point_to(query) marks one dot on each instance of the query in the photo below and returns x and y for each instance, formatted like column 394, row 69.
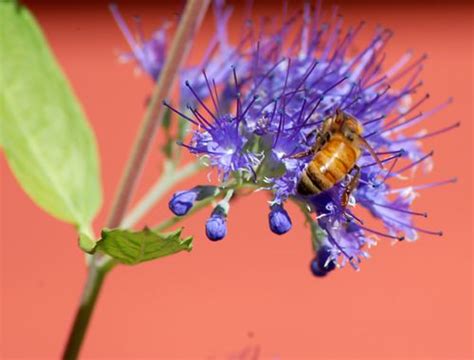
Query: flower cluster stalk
column 170, row 177
column 192, row 17
column 99, row 265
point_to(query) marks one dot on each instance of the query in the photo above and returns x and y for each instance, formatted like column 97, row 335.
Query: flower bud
column 216, row 225
column 182, row 201
column 322, row 264
column 279, row 220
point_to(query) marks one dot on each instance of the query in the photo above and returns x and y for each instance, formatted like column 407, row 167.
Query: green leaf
column 44, row 134
column 129, row 247
column 86, row 243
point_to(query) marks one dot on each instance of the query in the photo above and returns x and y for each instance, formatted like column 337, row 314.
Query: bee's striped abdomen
column 329, row 166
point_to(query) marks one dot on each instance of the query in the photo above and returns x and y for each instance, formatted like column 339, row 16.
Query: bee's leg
column 303, row 154
column 351, row 186
column 321, row 139
column 322, row 136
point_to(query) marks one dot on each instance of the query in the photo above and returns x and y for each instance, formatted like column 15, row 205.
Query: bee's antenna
column 371, row 150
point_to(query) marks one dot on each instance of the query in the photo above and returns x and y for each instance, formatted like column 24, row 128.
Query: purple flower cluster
column 284, row 80
column 149, row 54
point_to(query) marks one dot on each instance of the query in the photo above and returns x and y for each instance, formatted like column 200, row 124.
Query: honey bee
column 337, row 148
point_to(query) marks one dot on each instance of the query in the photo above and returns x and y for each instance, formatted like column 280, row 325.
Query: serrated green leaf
column 86, row 243
column 44, row 134
column 134, row 247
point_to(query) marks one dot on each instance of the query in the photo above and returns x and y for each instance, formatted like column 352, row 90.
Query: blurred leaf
column 166, row 122
column 129, row 247
column 167, row 148
column 46, row 139
column 87, row 244
column 183, row 127
column 171, row 149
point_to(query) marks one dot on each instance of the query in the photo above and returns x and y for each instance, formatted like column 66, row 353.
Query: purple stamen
column 123, row 26
column 216, row 107
column 408, row 68
column 334, row 242
column 405, row 113
column 280, row 126
column 379, row 81
column 396, row 156
column 356, row 100
column 429, row 232
column 399, row 238
column 274, row 110
column 432, row 111
column 203, row 122
column 386, row 129
column 353, row 216
column 374, row 120
column 321, row 97
column 256, row 63
column 389, row 172
column 198, row 98
column 180, row 113
column 385, row 152
column 434, row 133
column 286, row 82
column 301, row 111
column 305, row 77
column 424, row 186
column 237, row 93
column 217, row 95
column 309, row 115
column 404, row 59
column 355, row 61
column 414, row 163
column 198, row 150
column 266, row 75
column 424, row 214
column 376, row 69
column 248, row 107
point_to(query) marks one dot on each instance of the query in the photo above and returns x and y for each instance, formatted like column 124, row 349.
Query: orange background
column 413, row 300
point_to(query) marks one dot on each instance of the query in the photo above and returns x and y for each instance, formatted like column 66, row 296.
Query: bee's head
column 348, row 124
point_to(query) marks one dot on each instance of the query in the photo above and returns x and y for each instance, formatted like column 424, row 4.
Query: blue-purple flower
column 216, row 225
column 182, row 202
column 279, row 220
column 150, row 53
column 284, row 85
column 323, row 263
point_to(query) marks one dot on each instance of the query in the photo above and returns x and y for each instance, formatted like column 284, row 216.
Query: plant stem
column 193, row 14
column 317, row 233
column 170, row 177
column 201, row 205
column 99, row 266
column 95, row 279
column 176, row 219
